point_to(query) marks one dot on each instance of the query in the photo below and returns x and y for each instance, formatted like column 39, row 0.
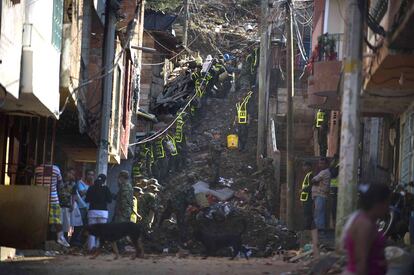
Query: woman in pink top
column 362, row 241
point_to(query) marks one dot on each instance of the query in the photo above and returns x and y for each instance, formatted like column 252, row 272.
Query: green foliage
column 164, row 5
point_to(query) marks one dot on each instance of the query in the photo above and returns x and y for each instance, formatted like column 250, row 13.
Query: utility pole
column 348, row 168
column 290, row 199
column 263, row 83
column 108, row 62
column 186, row 19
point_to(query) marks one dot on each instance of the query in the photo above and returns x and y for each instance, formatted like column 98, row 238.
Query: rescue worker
column 148, row 206
column 221, row 80
column 160, row 155
column 138, row 193
column 321, row 126
column 171, row 152
column 308, row 207
column 141, row 182
column 334, row 170
column 252, row 61
column 177, row 204
column 248, row 71
column 180, row 141
column 242, row 119
column 141, row 165
column 124, row 203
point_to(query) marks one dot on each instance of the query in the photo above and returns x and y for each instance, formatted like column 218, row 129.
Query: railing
column 330, row 47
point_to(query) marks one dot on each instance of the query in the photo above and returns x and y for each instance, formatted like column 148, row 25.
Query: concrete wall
column 23, row 216
column 11, row 45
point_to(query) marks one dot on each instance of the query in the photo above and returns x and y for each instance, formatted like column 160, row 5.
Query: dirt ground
column 105, row 264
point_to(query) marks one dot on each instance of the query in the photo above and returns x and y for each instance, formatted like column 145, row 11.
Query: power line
column 160, row 133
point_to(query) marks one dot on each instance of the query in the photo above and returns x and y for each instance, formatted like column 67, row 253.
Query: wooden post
column 263, row 87
column 108, row 62
column 290, row 199
column 348, row 169
column 186, row 19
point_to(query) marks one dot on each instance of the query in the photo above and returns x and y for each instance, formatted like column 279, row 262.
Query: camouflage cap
column 152, row 188
column 138, row 190
column 154, row 182
column 124, row 174
column 142, row 183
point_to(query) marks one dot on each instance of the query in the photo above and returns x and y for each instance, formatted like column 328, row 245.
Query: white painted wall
column 41, row 61
column 334, row 18
column 11, row 45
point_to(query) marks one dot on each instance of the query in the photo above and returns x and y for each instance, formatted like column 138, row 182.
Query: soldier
column 138, row 193
column 124, row 203
column 148, row 206
column 124, row 198
column 141, row 182
column 178, row 203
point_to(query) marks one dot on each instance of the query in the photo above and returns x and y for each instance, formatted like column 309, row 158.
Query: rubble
column 236, row 194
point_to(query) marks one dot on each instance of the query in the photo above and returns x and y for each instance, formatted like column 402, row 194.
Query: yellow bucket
column 232, row 141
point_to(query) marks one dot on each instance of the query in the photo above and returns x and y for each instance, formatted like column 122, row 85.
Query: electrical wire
column 159, row 43
column 298, row 36
column 160, row 133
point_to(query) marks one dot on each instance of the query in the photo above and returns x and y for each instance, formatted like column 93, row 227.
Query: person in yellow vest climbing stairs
column 308, row 207
column 321, row 125
column 242, row 119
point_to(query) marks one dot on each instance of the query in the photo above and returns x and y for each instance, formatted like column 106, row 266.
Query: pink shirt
column 377, row 264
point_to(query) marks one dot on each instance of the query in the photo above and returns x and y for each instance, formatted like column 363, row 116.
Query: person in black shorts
column 308, row 207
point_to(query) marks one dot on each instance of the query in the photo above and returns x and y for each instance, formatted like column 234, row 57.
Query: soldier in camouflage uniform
column 178, row 203
column 124, row 198
column 149, row 205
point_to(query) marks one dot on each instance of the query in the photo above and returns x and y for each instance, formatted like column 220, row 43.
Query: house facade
column 386, row 106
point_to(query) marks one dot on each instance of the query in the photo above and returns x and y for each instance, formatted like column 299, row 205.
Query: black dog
column 214, row 241
column 112, row 232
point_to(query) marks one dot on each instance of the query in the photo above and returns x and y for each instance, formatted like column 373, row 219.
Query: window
column 57, row 24
column 407, row 150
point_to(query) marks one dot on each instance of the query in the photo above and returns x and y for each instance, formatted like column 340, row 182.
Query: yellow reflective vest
column 320, row 118
column 335, row 181
column 242, row 115
column 304, row 195
column 179, row 129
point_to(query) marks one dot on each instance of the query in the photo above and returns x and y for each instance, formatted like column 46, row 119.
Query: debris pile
column 236, row 196
column 218, row 185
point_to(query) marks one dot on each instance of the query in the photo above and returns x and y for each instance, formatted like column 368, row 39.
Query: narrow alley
column 206, row 137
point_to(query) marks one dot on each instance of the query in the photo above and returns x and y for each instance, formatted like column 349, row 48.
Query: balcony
column 39, row 76
column 325, row 71
column 389, row 81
